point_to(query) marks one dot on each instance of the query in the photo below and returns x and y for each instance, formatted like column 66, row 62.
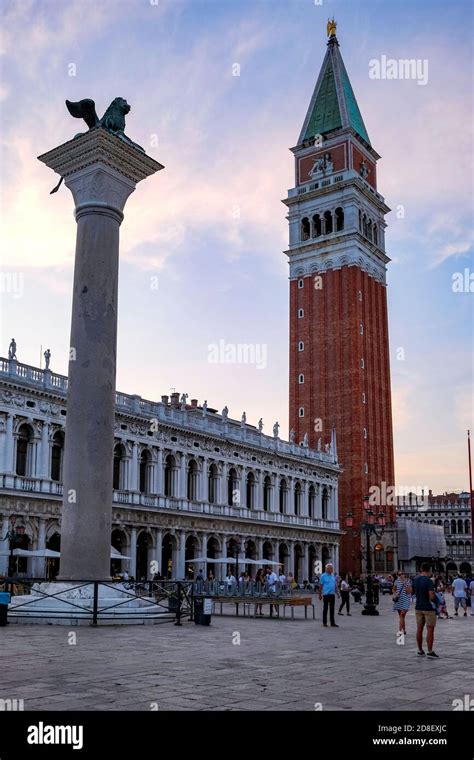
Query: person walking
column 259, row 584
column 345, row 596
column 424, row 610
column 376, row 589
column 459, row 589
column 402, row 599
column 327, row 592
column 471, row 591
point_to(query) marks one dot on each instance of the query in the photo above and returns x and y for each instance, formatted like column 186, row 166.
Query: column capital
column 101, row 170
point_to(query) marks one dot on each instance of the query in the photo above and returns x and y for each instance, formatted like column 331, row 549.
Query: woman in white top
column 345, row 597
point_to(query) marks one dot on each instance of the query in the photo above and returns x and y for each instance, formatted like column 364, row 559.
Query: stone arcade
column 186, row 484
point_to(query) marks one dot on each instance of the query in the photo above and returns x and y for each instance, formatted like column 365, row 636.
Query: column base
column 60, row 603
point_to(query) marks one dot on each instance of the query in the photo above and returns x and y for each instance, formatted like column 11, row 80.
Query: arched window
column 282, row 496
column 311, row 501
column 446, row 526
column 145, row 484
column 301, row 346
column 339, row 219
column 460, row 526
column 369, row 229
column 301, row 411
column 360, row 220
column 170, row 475
column 363, row 398
column 362, row 364
column 300, row 284
column 327, row 222
column 267, row 487
column 460, row 548
column 467, row 527
column 297, row 497
column 23, row 450
column 325, row 503
column 305, row 229
column 250, row 491
column 317, row 227
column 119, row 467
column 301, row 379
column 361, row 329
column 300, row 313
column 192, row 485
column 375, row 234
column 364, row 432
column 453, row 526
column 213, row 476
column 364, row 225
column 57, row 456
column 233, row 494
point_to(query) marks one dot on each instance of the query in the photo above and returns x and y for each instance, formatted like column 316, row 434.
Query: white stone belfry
column 101, row 170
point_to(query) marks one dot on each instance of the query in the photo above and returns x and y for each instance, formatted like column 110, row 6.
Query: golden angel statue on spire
column 331, row 28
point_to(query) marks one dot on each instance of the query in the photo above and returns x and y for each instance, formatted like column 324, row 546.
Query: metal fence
column 243, row 588
column 174, row 600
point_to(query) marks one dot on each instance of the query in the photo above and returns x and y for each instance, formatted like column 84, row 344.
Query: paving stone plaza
column 278, row 665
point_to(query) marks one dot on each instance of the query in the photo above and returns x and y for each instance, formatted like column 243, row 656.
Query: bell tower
column 339, row 351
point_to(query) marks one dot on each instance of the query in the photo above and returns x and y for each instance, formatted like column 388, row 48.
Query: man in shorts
column 424, row 611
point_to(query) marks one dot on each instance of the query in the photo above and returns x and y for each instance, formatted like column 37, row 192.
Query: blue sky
column 210, row 229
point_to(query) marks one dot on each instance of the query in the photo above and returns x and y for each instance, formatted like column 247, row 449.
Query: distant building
column 452, row 513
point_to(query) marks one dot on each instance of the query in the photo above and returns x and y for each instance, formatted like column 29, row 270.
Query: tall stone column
column 101, row 170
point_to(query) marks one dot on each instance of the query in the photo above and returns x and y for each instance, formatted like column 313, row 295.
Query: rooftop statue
column 113, row 119
column 331, row 27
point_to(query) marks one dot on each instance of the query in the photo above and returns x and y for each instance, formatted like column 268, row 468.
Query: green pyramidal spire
column 333, row 105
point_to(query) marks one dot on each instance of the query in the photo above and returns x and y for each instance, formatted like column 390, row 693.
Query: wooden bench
column 299, row 601
column 277, row 602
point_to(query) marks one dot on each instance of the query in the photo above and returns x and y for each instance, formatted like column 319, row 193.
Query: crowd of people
column 426, row 592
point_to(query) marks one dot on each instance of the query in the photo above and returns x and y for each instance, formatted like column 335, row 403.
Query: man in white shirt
column 272, row 579
column 230, row 582
column 458, row 590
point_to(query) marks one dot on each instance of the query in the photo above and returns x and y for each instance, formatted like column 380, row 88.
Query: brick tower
column 339, row 352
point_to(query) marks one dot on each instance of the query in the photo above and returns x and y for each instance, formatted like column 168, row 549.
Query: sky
column 219, row 90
